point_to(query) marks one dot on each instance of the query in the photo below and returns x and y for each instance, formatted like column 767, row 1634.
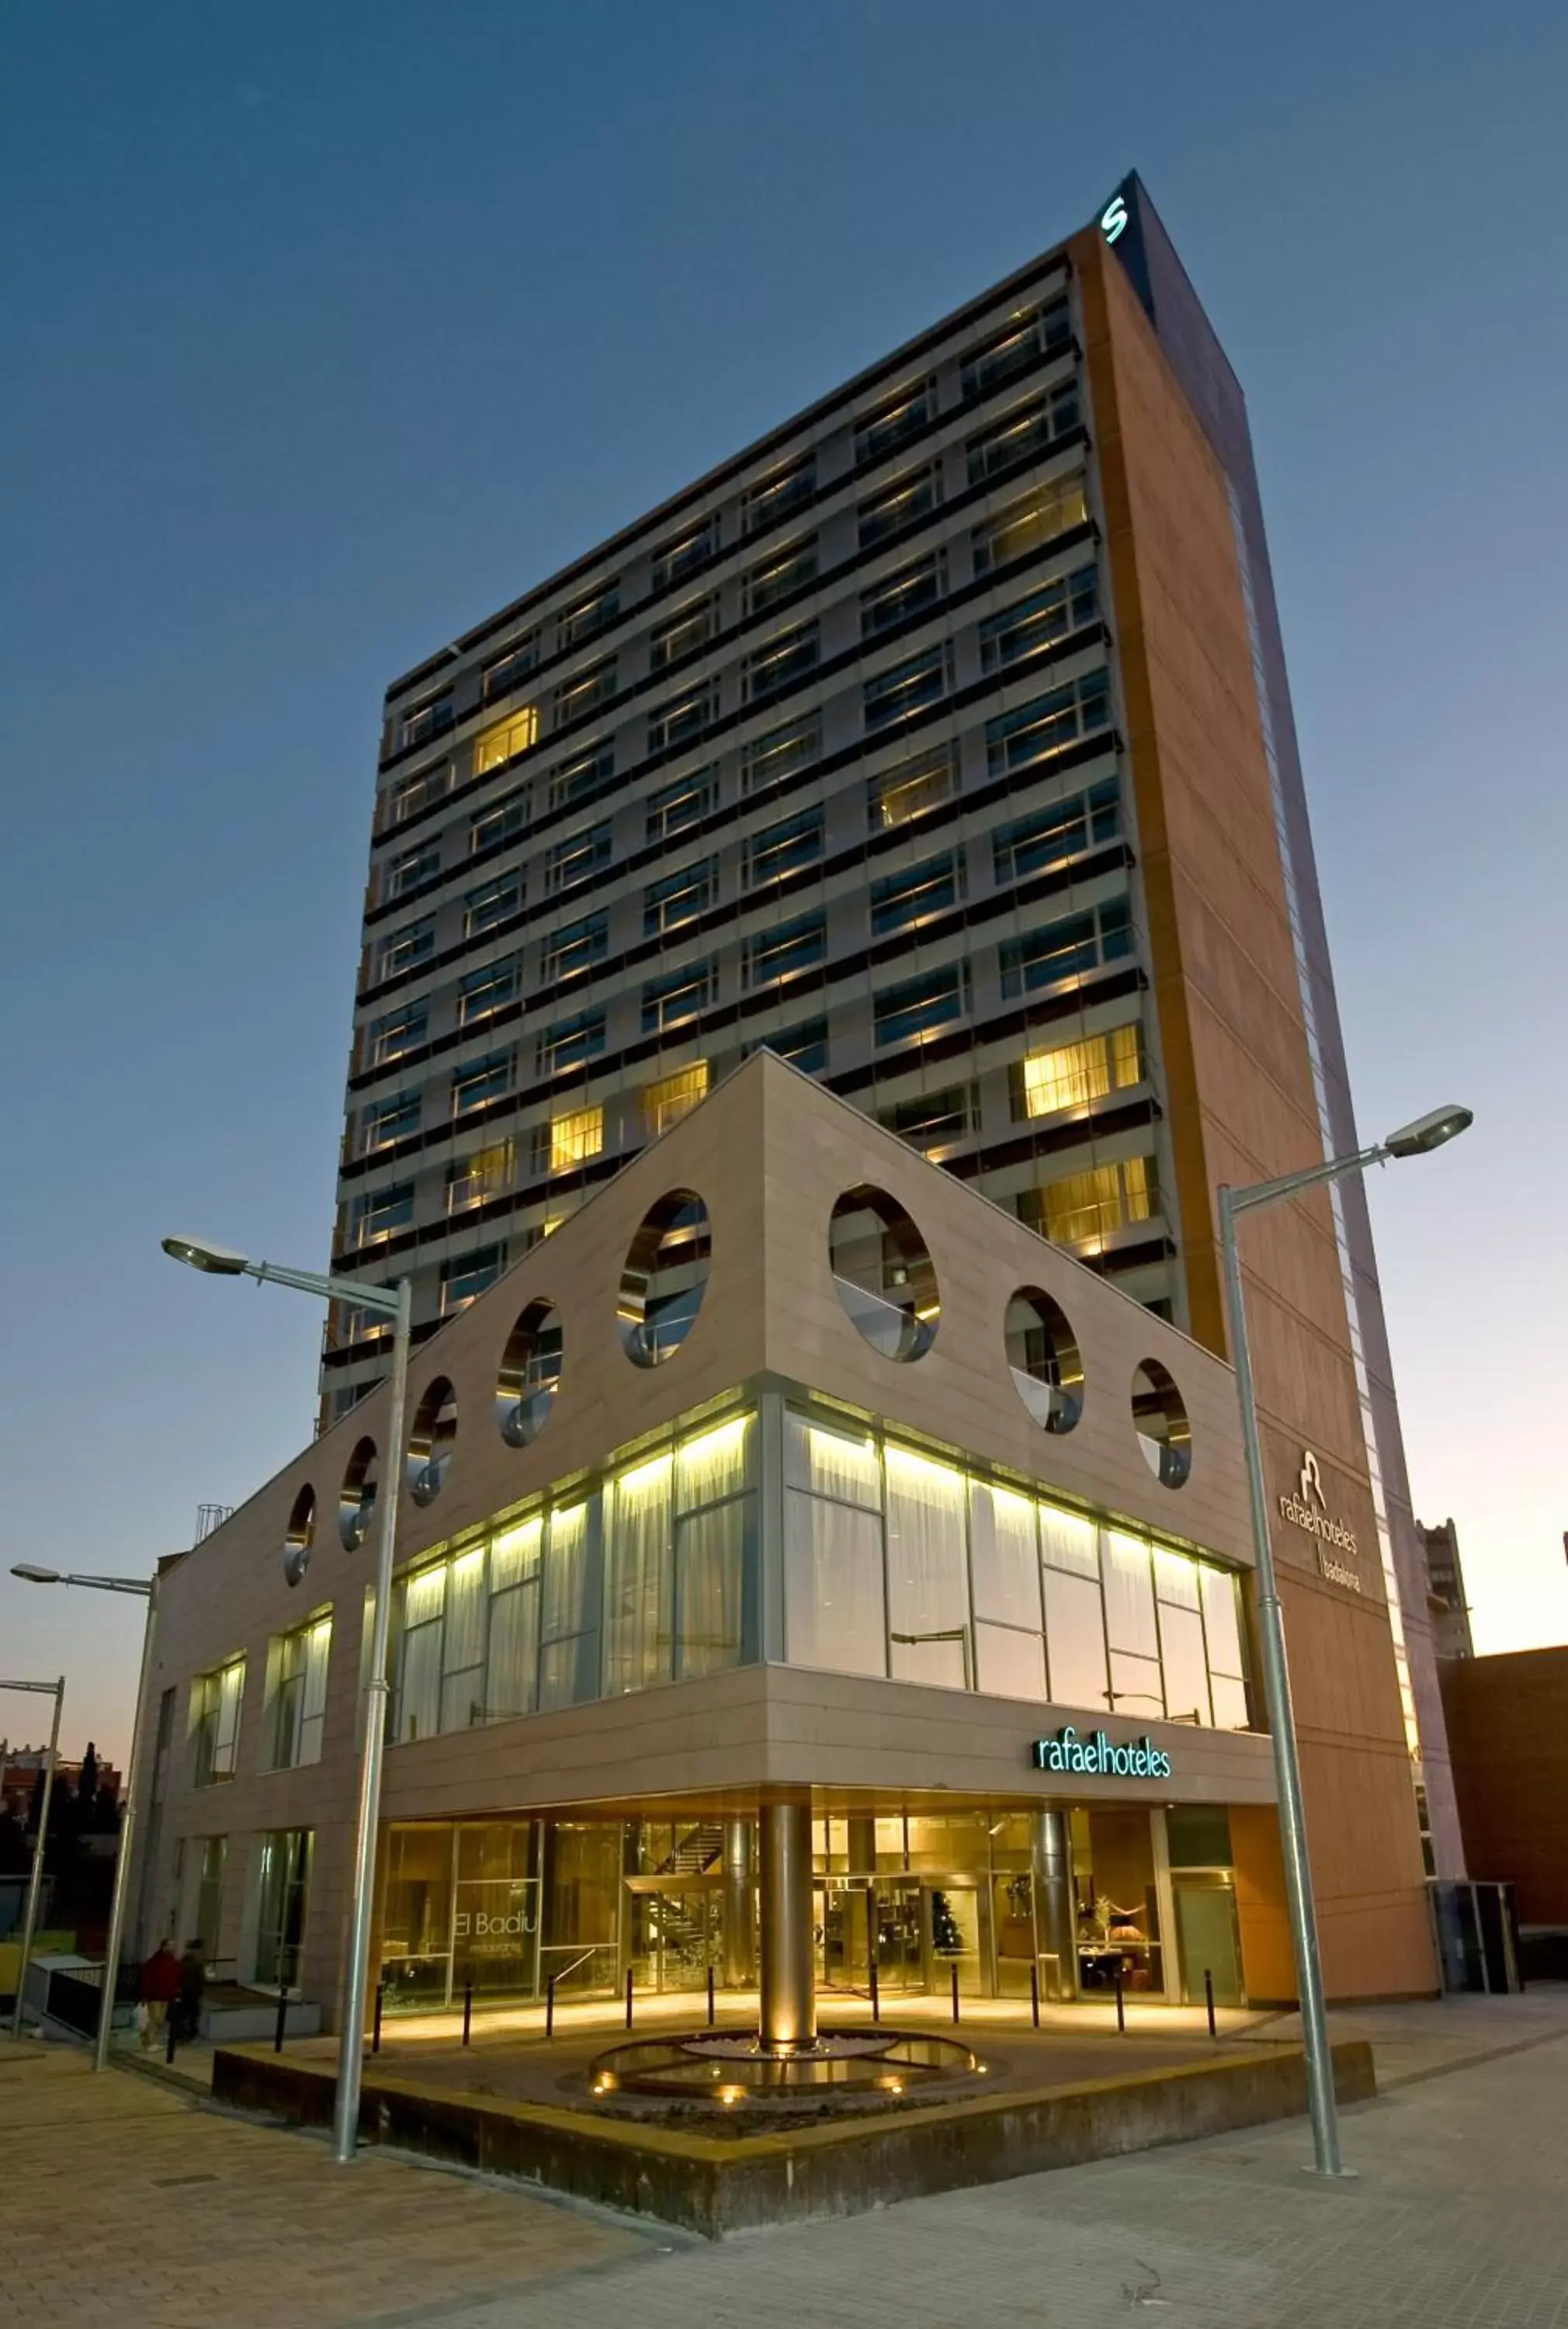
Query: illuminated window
column 893, row 423
column 296, row 1714
column 897, row 796
column 1077, row 1073
column 215, row 1701
column 1086, row 1208
column 680, row 896
column 573, row 1138
column 1022, row 340
column 474, row 1180
column 903, row 504
column 789, row 570
column 387, row 1120
column 381, row 1214
column 1031, row 521
column 1025, row 434
column 506, row 740
column 673, row 1097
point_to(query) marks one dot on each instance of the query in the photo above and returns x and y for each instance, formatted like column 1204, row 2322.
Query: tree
column 945, row 1937
column 87, row 1785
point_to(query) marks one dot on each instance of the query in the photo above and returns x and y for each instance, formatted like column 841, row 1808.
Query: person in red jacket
column 160, row 1985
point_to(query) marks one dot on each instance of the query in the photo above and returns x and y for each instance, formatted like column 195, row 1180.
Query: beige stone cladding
column 769, row 1153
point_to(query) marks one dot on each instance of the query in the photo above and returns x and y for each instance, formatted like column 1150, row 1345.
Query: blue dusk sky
column 331, row 328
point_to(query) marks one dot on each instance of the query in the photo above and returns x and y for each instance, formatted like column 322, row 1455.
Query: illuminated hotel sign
column 1308, row 1510
column 1134, row 1759
column 1113, row 219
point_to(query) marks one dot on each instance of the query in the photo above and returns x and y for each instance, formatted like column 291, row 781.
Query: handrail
column 561, row 1974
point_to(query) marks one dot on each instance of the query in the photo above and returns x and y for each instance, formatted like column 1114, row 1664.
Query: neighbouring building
column 940, row 744
column 1445, row 1591
column 1507, row 1718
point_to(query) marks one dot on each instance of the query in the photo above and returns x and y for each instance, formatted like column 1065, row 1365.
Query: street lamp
column 55, row 1690
column 147, row 1587
column 394, row 1302
column 1427, row 1133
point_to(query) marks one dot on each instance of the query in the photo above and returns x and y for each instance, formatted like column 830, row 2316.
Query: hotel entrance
column 920, row 1927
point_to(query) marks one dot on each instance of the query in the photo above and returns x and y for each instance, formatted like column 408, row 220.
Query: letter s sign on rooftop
column 1113, row 218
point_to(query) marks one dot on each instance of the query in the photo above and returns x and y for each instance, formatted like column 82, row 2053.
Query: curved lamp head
column 34, row 1574
column 201, row 1253
column 1429, row 1131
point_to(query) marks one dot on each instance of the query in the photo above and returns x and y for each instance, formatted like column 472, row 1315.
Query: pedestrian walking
column 188, row 2003
column 159, row 1987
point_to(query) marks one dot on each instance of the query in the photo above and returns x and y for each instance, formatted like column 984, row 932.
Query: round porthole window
column 299, row 1536
column 530, row 1377
column 884, row 1273
column 357, row 1496
column 1042, row 1351
column 1160, row 1419
column 430, row 1441
column 664, row 1278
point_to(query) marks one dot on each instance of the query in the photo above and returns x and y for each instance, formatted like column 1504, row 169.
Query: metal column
column 789, row 2003
column 739, row 1914
column 1056, row 1922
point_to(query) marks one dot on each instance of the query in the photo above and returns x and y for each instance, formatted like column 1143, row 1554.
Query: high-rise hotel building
column 939, row 742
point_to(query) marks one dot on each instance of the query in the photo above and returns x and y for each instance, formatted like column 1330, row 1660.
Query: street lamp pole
column 147, row 1589
column 1428, row 1132
column 394, row 1302
column 55, row 1690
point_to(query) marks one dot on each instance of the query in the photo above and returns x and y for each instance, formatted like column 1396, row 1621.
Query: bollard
column 711, row 2013
column 467, row 2010
column 281, row 2022
column 376, row 2025
column 628, row 1997
column 876, row 1999
column 1034, row 1995
column 1120, row 2003
column 1208, row 2000
column 956, row 1989
column 550, row 2007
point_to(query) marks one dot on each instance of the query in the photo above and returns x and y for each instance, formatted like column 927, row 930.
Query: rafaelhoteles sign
column 1133, row 1758
column 1308, row 1510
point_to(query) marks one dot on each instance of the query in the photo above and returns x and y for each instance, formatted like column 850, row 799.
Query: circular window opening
column 1042, row 1350
column 299, row 1536
column 357, row 1496
column 530, row 1373
column 430, row 1441
column 884, row 1277
column 664, row 1278
column 1159, row 1419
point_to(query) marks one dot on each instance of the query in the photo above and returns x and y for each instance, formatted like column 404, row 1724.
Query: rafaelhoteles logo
column 1308, row 1510
column 1135, row 1759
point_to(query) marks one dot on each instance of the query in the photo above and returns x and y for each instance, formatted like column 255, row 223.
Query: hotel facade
column 939, row 745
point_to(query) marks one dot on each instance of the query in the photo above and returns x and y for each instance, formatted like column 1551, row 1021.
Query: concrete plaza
column 130, row 2202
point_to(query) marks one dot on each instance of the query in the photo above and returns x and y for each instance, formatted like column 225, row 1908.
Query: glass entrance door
column 924, row 1925
column 677, row 1931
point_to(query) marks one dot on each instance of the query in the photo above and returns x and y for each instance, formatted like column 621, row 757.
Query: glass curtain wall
column 648, row 1576
column 898, row 1564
